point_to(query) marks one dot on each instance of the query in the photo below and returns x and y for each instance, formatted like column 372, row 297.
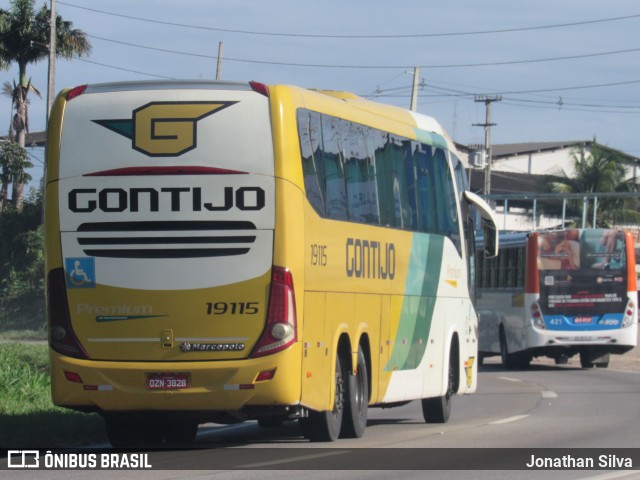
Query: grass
column 24, row 335
column 28, row 418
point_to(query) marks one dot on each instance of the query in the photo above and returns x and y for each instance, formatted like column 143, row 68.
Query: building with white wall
column 521, row 172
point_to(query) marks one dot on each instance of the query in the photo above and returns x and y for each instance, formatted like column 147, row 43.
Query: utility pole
column 414, row 90
column 51, row 82
column 219, row 68
column 487, row 137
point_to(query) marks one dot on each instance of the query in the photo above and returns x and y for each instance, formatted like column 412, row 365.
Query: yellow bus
column 228, row 252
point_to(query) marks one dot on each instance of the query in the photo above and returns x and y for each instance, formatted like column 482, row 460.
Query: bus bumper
column 617, row 340
column 218, row 386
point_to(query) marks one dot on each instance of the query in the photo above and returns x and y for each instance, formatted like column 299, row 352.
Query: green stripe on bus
column 418, row 305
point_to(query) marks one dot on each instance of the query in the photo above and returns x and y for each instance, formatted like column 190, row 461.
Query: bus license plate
column 167, row 381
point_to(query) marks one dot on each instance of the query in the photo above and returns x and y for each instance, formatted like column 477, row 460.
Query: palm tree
column 24, row 39
column 14, row 160
column 598, row 171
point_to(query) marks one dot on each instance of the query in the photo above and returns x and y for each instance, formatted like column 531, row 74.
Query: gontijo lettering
column 370, row 259
column 86, row 200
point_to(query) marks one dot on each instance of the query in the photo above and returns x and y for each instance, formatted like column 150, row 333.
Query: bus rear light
column 266, row 375
column 76, row 92
column 536, row 316
column 73, row 377
column 281, row 324
column 629, row 314
column 62, row 338
column 260, row 88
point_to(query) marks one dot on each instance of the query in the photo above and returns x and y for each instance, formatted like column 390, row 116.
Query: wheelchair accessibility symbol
column 80, row 272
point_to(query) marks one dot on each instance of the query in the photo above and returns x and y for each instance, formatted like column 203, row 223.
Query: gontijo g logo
column 164, row 129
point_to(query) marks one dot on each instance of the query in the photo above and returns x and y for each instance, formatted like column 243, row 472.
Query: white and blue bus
column 557, row 294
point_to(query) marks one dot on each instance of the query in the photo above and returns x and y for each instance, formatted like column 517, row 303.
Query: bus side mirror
column 489, row 224
column 490, row 239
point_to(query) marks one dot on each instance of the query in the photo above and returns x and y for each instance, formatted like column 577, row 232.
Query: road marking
column 292, row 459
column 509, row 420
column 509, row 379
column 612, row 475
column 548, row 394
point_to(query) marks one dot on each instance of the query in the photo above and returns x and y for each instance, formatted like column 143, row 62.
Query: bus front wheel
column 438, row 409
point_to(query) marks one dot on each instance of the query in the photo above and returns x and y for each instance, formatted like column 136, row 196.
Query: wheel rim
column 338, row 403
column 452, row 379
column 359, row 393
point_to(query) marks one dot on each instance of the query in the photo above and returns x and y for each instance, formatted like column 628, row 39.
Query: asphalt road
column 513, row 412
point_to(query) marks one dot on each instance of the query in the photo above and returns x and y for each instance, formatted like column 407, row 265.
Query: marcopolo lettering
column 370, row 259
column 86, row 200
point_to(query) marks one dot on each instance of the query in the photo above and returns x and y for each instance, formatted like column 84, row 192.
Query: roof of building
column 506, row 183
column 507, row 150
column 34, row 139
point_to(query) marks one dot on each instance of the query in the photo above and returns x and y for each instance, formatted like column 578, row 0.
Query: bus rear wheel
column 588, row 361
column 354, row 420
column 508, row 359
column 326, row 426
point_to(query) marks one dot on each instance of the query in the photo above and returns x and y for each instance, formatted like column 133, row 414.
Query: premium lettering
column 178, row 199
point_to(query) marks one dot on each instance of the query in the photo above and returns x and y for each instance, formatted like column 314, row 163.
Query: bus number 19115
column 232, row 308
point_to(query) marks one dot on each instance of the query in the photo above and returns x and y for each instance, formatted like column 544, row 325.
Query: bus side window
column 461, row 177
column 448, row 208
column 520, row 262
column 396, row 183
column 427, row 218
column 384, row 178
column 359, row 169
column 336, row 193
column 309, row 131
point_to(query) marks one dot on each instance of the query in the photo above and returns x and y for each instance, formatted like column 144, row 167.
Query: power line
column 561, row 103
column 570, row 107
column 516, row 92
column 394, row 67
column 354, row 36
column 123, row 69
column 558, row 104
column 146, row 47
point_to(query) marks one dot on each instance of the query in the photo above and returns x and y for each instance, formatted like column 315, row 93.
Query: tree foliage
column 14, row 162
column 22, row 266
column 601, row 170
column 24, row 40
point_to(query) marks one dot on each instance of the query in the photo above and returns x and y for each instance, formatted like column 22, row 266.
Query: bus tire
column 326, row 426
column 180, row 434
column 585, row 360
column 588, row 360
column 508, row 360
column 126, row 432
column 274, row 421
column 354, row 420
column 438, row 409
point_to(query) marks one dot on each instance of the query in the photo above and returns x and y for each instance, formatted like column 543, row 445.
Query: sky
column 565, row 70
